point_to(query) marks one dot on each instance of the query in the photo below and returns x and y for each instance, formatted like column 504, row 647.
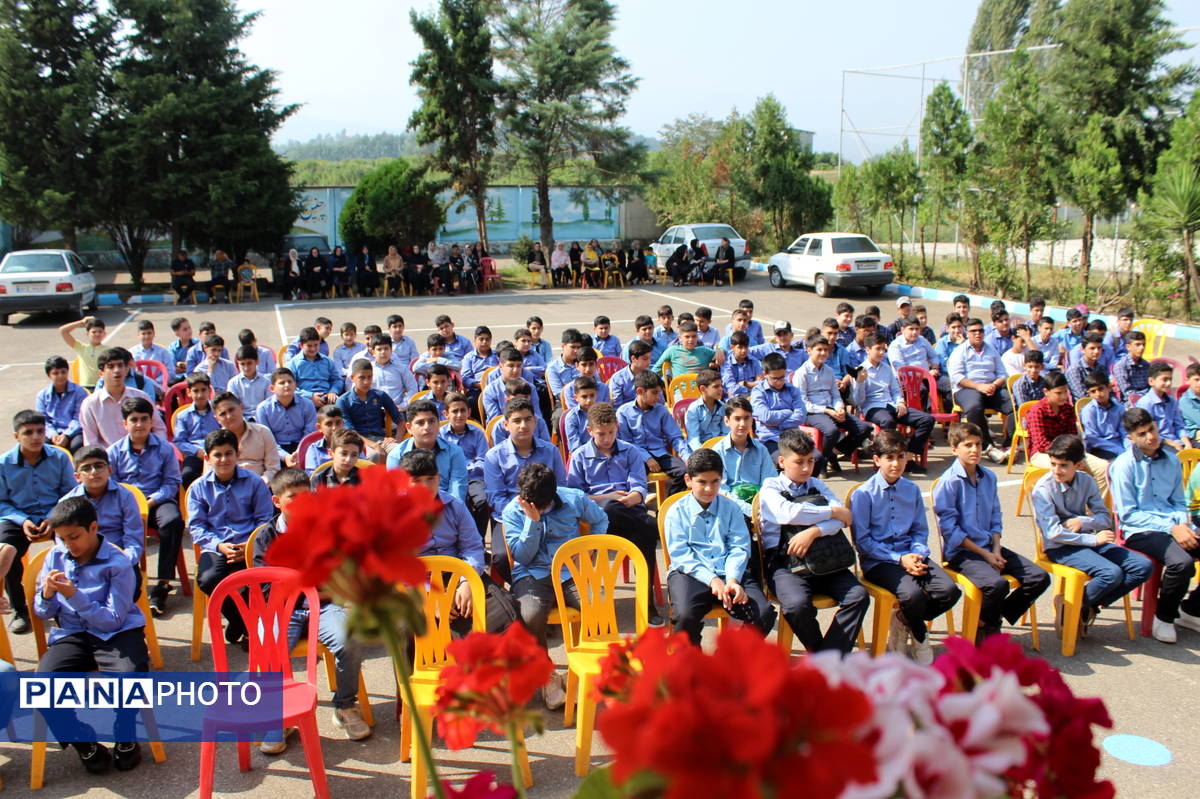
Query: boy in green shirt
column 687, row 355
column 89, row 351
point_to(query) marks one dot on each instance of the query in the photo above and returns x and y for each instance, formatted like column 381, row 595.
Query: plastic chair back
column 1032, row 475
column 483, row 379
column 1155, row 338
column 1080, row 404
column 306, row 442
column 153, row 370
column 1012, row 381
column 73, row 370
column 679, row 411
column 29, row 582
column 176, row 396
column 663, row 507
column 281, row 356
column 712, row 442
column 171, row 420
column 443, row 575
column 608, row 366
column 685, row 384
column 912, row 379
column 1188, row 458
column 249, row 550
column 594, row 563
column 361, row 463
column 564, row 446
column 266, row 619
column 491, row 427
column 143, row 504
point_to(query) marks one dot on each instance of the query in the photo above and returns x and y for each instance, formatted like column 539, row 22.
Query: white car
column 45, row 280
column 828, row 261
column 710, row 235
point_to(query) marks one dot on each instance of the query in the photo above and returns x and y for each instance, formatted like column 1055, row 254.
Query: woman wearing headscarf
column 314, row 273
column 591, row 264
column 416, row 271
column 575, row 254
column 339, row 270
column 393, row 270
column 635, row 265
column 366, row 276
column 292, row 275
column 472, row 275
column 439, row 271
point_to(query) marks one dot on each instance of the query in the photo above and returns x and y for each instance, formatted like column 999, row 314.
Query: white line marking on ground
column 684, row 300
column 124, row 322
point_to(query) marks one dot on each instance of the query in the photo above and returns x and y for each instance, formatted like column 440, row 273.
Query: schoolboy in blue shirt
column 1149, row 500
column 533, row 366
column 647, row 423
column 1089, row 364
column 288, row 417
column 620, row 385
column 878, row 397
column 1072, row 334
column 249, row 385
column 317, row 377
column 473, row 442
column 602, row 339
column 266, row 355
column 87, row 588
column 740, row 373
column 644, row 326
column 1189, row 402
column 1161, row 404
column 192, row 423
column 708, row 335
column 504, row 461
column 224, row 507
column 967, row 506
column 954, row 336
column 495, row 393
column 977, row 379
column 514, row 389
column 564, row 369
column 796, row 498
column 892, row 539
column 180, row 347
column 33, row 476
column 216, row 365
column 323, row 326
column 424, row 424
column 116, row 508
column 59, row 403
column 665, row 334
column 1117, row 339
column 329, row 421
column 588, row 376
column 1103, row 435
column 705, row 417
column 747, row 463
column 457, row 345
column 613, row 474
column 196, row 353
column 147, row 462
column 402, row 346
column 823, row 405
column 478, row 361
column 794, row 356
column 1001, row 335
column 392, row 373
column 753, row 329
column 1030, row 387
column 709, row 549
column 1107, row 357
column 777, row 404
column 1131, row 371
column 344, row 354
column 364, row 409
column 1045, row 341
column 147, row 350
column 1077, row 530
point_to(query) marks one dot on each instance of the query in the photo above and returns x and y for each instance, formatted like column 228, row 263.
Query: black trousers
column 394, row 282
column 191, row 469
column 212, row 569
column 1178, row 566
column 478, row 505
column 922, row 598
column 501, row 611
column 920, row 422
column 635, row 525
column 691, row 600
column 973, row 404
column 12, row 534
column 417, row 280
column 367, row 281
column 534, row 598
column 184, row 288
column 674, row 468
column 844, row 437
column 998, row 601
column 795, row 595
column 166, row 518
column 123, row 653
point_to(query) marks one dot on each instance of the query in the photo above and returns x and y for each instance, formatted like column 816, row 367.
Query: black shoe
column 20, row 624
column 235, row 634
column 653, row 619
column 127, row 756
column 832, row 466
column 95, row 757
column 158, row 599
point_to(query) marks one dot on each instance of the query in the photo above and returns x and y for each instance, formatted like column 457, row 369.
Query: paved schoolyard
column 1150, row 688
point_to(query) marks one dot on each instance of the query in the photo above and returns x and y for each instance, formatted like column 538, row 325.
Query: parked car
column 828, row 261
column 710, row 235
column 45, row 280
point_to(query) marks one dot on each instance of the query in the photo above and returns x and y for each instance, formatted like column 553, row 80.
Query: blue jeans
column 1115, row 571
column 347, row 653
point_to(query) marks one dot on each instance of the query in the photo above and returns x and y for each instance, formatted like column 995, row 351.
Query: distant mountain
column 345, row 146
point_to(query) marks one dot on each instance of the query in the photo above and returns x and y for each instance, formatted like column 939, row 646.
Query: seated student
column 970, row 521
column 753, row 329
column 147, row 350
column 454, row 535
column 574, row 421
column 1014, row 359
column 908, row 348
column 1106, row 359
column 1162, row 406
column 823, row 404
column 219, row 370
column 329, row 421
column 587, row 368
column 1117, row 339
column 405, row 349
column 1149, row 501
column 435, row 353
column 478, row 361
column 644, row 326
column 892, row 539
column 196, row 354
column 332, row 625
column 565, row 367
column 1103, row 435
column 512, row 390
column 192, row 425
column 613, row 474
column 1070, row 335
column 878, row 397
column 1000, row 336
column 60, row 403
column 978, row 378
column 100, row 412
column 364, row 409
column 288, row 417
column 345, row 450
column 740, row 323
column 133, row 378
column 777, row 404
column 1077, row 531
column 1054, row 416
column 838, row 360
column 533, row 366
column 248, row 385
column 474, row 445
column 1088, row 364
column 709, row 546
column 148, row 463
column 1030, row 387
column 495, row 393
column 504, row 460
column 705, row 418
column 856, row 350
column 33, row 476
column 686, row 355
column 424, row 424
column 603, row 341
column 350, row 348
column 747, row 462
column 796, row 509
column 542, row 515
column 844, row 313
column 620, row 385
column 1037, row 309
column 1189, row 402
column 87, row 352
column 392, row 374
column 266, row 355
column 1045, row 341
column 648, row 424
column 949, row 341
column 258, row 451
column 665, row 333
column 457, row 345
column 180, row 347
column 1131, row 371
column 740, row 373
column 535, row 326
column 87, row 588
column 317, row 377
column 224, row 507
column 437, row 383
column 324, row 326
column 922, row 314
column 783, row 344
column 116, row 508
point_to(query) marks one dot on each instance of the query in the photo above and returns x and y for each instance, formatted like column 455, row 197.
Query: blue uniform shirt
column 889, row 521
column 319, row 375
column 458, row 346
column 288, row 424
column 473, row 443
column 31, row 492
column 118, row 518
column 1147, row 492
column 752, row 466
column 154, row 470
column 654, row 430
column 624, row 469
column 455, row 535
column 776, row 410
column 967, row 509
column 610, row 346
column 734, row 372
column 474, row 365
column 793, row 357
column 775, row 511
column 1165, row 411
column 982, row 365
column 754, row 330
column 575, row 423
column 558, row 374
column 503, row 464
column 250, row 392
column 226, row 513
column 452, row 464
column 533, row 544
column 61, row 410
column 102, row 604
column 1102, row 428
column 395, row 379
column 702, row 424
column 191, row 428
column 704, row 543
column 818, row 387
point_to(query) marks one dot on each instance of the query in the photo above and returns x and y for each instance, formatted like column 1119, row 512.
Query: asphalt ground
column 1150, row 688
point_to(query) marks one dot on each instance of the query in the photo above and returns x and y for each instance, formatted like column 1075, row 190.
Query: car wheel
column 874, row 291
column 777, row 280
column 821, row 286
column 739, row 273
column 81, row 309
column 94, row 305
column 3, row 319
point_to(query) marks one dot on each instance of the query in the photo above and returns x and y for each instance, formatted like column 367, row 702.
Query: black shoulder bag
column 827, row 554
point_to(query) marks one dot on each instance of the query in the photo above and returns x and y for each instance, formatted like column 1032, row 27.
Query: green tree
column 395, row 204
column 53, row 58
column 1175, row 208
column 945, row 138
column 458, row 98
column 565, row 87
column 848, row 199
column 1094, row 184
column 893, row 183
column 1185, row 138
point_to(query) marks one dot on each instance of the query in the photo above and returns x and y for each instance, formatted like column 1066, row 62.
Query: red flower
column 491, row 679
column 376, row 527
column 481, row 786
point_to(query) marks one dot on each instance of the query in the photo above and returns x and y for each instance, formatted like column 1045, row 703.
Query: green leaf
column 599, row 785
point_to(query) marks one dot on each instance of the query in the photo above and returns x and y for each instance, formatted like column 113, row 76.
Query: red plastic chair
column 1179, row 392
column 815, row 435
column 911, row 379
column 564, row 448
column 608, row 366
column 305, row 443
column 1175, row 365
column 679, row 411
column 154, row 371
column 176, row 395
column 1147, row 591
column 266, row 622
column 490, row 273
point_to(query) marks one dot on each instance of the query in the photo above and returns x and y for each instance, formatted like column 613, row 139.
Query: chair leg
column 405, row 733
column 583, row 728
column 1012, row 456
column 208, row 764
column 1150, row 601
column 1129, row 618
column 156, row 747
column 1033, row 628
column 420, row 778
column 1072, row 605
column 881, row 624
column 37, row 767
column 1021, row 498
column 330, row 670
column 572, row 690
column 185, row 582
column 243, row 753
column 310, row 738
column 364, row 702
column 156, row 658
column 523, row 754
column 199, row 606
column 784, row 636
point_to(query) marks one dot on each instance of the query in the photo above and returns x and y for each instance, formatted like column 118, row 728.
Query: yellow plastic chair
column 712, row 442
column 1188, row 458
column 37, row 763
column 1069, row 582
column 473, row 423
column 301, row 649
column 430, row 657
column 491, row 426
column 143, row 600
column 594, row 563
column 362, row 463
column 247, row 280
column 1020, row 434
column 199, row 598
column 717, row 612
column 884, row 602
column 422, row 394
column 73, row 370
column 1080, row 404
column 1156, row 339
column 685, row 384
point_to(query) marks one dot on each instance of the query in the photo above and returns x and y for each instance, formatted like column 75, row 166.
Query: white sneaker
column 1164, row 631
column 1188, row 621
column 921, row 651
column 351, row 721
column 554, row 693
column 276, row 743
column 897, row 633
column 997, row 455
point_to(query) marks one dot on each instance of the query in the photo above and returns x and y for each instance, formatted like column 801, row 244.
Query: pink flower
column 939, row 770
column 481, row 786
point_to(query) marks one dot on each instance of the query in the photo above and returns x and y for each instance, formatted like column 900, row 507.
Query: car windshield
column 306, row 243
column 23, row 262
column 846, row 244
column 709, row 232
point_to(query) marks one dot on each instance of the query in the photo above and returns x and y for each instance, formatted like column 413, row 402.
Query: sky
column 347, row 64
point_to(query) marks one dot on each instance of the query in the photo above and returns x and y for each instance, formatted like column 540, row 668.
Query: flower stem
column 395, row 647
column 515, row 750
